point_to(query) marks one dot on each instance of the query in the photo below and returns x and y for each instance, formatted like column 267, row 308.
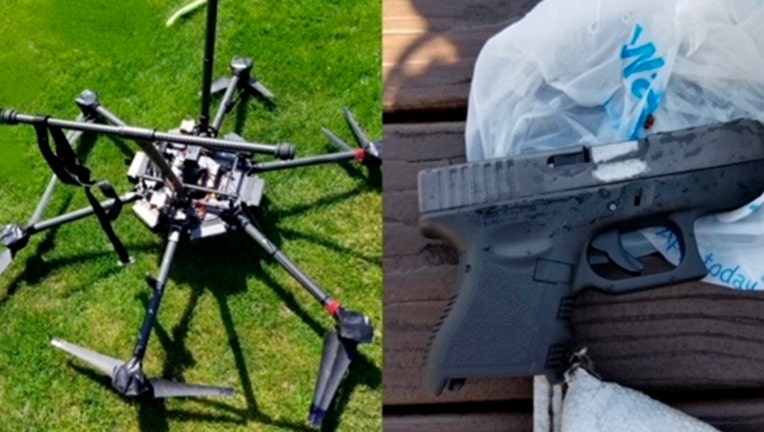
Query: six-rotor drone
column 189, row 184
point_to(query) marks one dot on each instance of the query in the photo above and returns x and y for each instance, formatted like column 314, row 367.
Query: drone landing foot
column 128, row 377
column 242, row 81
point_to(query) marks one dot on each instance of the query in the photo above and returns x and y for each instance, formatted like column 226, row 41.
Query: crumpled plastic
column 584, row 72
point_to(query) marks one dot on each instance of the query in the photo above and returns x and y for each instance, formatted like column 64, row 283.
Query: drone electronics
column 195, row 185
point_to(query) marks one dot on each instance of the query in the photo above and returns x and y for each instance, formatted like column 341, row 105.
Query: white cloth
column 591, row 405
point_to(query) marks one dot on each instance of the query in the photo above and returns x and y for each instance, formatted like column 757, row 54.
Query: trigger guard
column 691, row 267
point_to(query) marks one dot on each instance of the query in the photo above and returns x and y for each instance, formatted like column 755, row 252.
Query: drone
column 190, row 184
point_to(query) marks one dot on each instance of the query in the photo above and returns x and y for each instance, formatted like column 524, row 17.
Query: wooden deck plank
column 731, row 415
column 430, row 48
column 734, row 414
column 484, row 422
column 405, row 349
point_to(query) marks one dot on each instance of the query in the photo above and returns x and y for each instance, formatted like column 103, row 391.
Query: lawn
column 231, row 316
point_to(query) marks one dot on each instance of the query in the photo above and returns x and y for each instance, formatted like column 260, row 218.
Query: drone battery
column 251, row 192
column 137, row 167
column 210, row 227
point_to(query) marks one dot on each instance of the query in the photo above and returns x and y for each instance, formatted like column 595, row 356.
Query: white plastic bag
column 731, row 244
column 591, row 71
column 576, row 72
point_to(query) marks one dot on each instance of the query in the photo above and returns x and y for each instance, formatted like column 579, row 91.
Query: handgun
column 534, row 230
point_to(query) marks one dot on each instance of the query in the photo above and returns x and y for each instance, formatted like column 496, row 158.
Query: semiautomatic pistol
column 533, row 230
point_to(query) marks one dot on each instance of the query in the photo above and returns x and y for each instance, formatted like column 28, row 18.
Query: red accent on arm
column 332, row 307
column 360, row 155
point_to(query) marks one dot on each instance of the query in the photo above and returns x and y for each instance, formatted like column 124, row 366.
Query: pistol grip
column 502, row 322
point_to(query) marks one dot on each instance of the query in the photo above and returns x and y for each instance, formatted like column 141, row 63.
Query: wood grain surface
column 732, row 415
column 430, row 48
column 728, row 412
column 484, row 422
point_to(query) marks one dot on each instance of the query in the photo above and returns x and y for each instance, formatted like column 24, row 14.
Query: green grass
column 230, row 316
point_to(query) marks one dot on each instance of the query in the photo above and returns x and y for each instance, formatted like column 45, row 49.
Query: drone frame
column 128, row 379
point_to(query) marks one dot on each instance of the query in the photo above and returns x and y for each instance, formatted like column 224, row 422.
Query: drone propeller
column 242, row 80
column 340, row 348
column 335, row 361
column 168, row 389
column 128, row 378
column 103, row 363
column 6, row 258
column 359, row 134
column 337, row 141
column 372, row 151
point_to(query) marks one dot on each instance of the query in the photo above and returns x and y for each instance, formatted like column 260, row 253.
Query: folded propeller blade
column 103, row 363
column 168, row 389
column 360, row 136
column 161, row 388
column 258, row 87
column 335, row 361
column 342, row 145
column 6, row 258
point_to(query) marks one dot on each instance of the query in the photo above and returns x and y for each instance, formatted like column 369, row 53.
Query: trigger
column 610, row 244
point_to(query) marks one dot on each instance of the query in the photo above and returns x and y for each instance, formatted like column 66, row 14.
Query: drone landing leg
column 227, row 104
column 156, row 299
column 128, row 377
column 15, row 238
column 209, row 58
column 340, row 346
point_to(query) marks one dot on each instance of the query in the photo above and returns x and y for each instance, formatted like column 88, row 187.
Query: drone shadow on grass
column 35, row 268
column 214, row 266
column 268, row 222
column 216, row 254
column 243, row 109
